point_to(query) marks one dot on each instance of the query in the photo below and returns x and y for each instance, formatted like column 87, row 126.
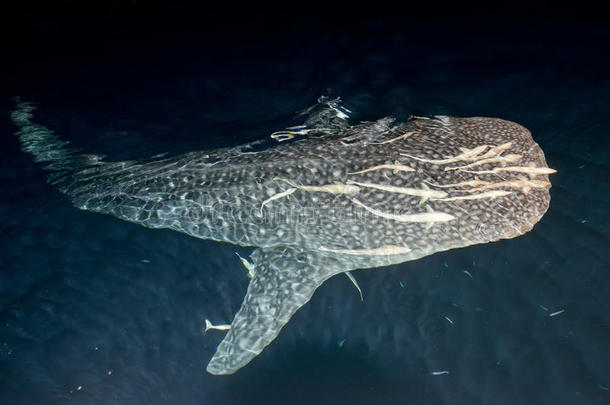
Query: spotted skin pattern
column 351, row 197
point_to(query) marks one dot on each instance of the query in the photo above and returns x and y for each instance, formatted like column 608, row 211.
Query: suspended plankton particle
column 557, row 312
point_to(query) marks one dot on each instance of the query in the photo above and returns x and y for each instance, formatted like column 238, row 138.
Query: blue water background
column 89, row 301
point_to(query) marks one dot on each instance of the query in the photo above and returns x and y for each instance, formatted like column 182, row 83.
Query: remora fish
column 333, row 199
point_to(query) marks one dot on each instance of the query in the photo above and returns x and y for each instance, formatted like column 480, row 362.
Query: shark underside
column 324, row 198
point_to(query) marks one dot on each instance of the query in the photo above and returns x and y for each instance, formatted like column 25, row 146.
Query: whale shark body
column 324, row 198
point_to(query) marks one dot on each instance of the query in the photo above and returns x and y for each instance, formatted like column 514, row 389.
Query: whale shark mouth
column 325, row 198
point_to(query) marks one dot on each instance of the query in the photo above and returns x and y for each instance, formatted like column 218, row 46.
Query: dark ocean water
column 94, row 310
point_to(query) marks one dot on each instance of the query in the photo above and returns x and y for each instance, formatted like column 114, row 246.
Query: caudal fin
column 130, row 190
column 46, row 147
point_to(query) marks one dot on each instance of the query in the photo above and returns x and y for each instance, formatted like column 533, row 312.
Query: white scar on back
column 426, row 217
column 380, row 251
column 335, row 188
column 396, row 167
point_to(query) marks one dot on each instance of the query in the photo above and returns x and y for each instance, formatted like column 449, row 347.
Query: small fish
column 449, row 320
column 341, row 342
column 439, row 372
column 401, row 284
column 145, row 261
column 446, row 264
column 209, row 325
column 557, row 312
column 543, row 307
column 468, row 273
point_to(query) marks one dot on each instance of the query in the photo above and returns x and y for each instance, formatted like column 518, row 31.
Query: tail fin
column 126, row 189
column 46, row 147
column 90, row 183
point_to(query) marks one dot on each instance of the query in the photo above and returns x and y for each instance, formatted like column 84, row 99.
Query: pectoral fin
column 284, row 280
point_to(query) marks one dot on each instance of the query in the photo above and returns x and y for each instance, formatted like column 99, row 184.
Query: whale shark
column 316, row 200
